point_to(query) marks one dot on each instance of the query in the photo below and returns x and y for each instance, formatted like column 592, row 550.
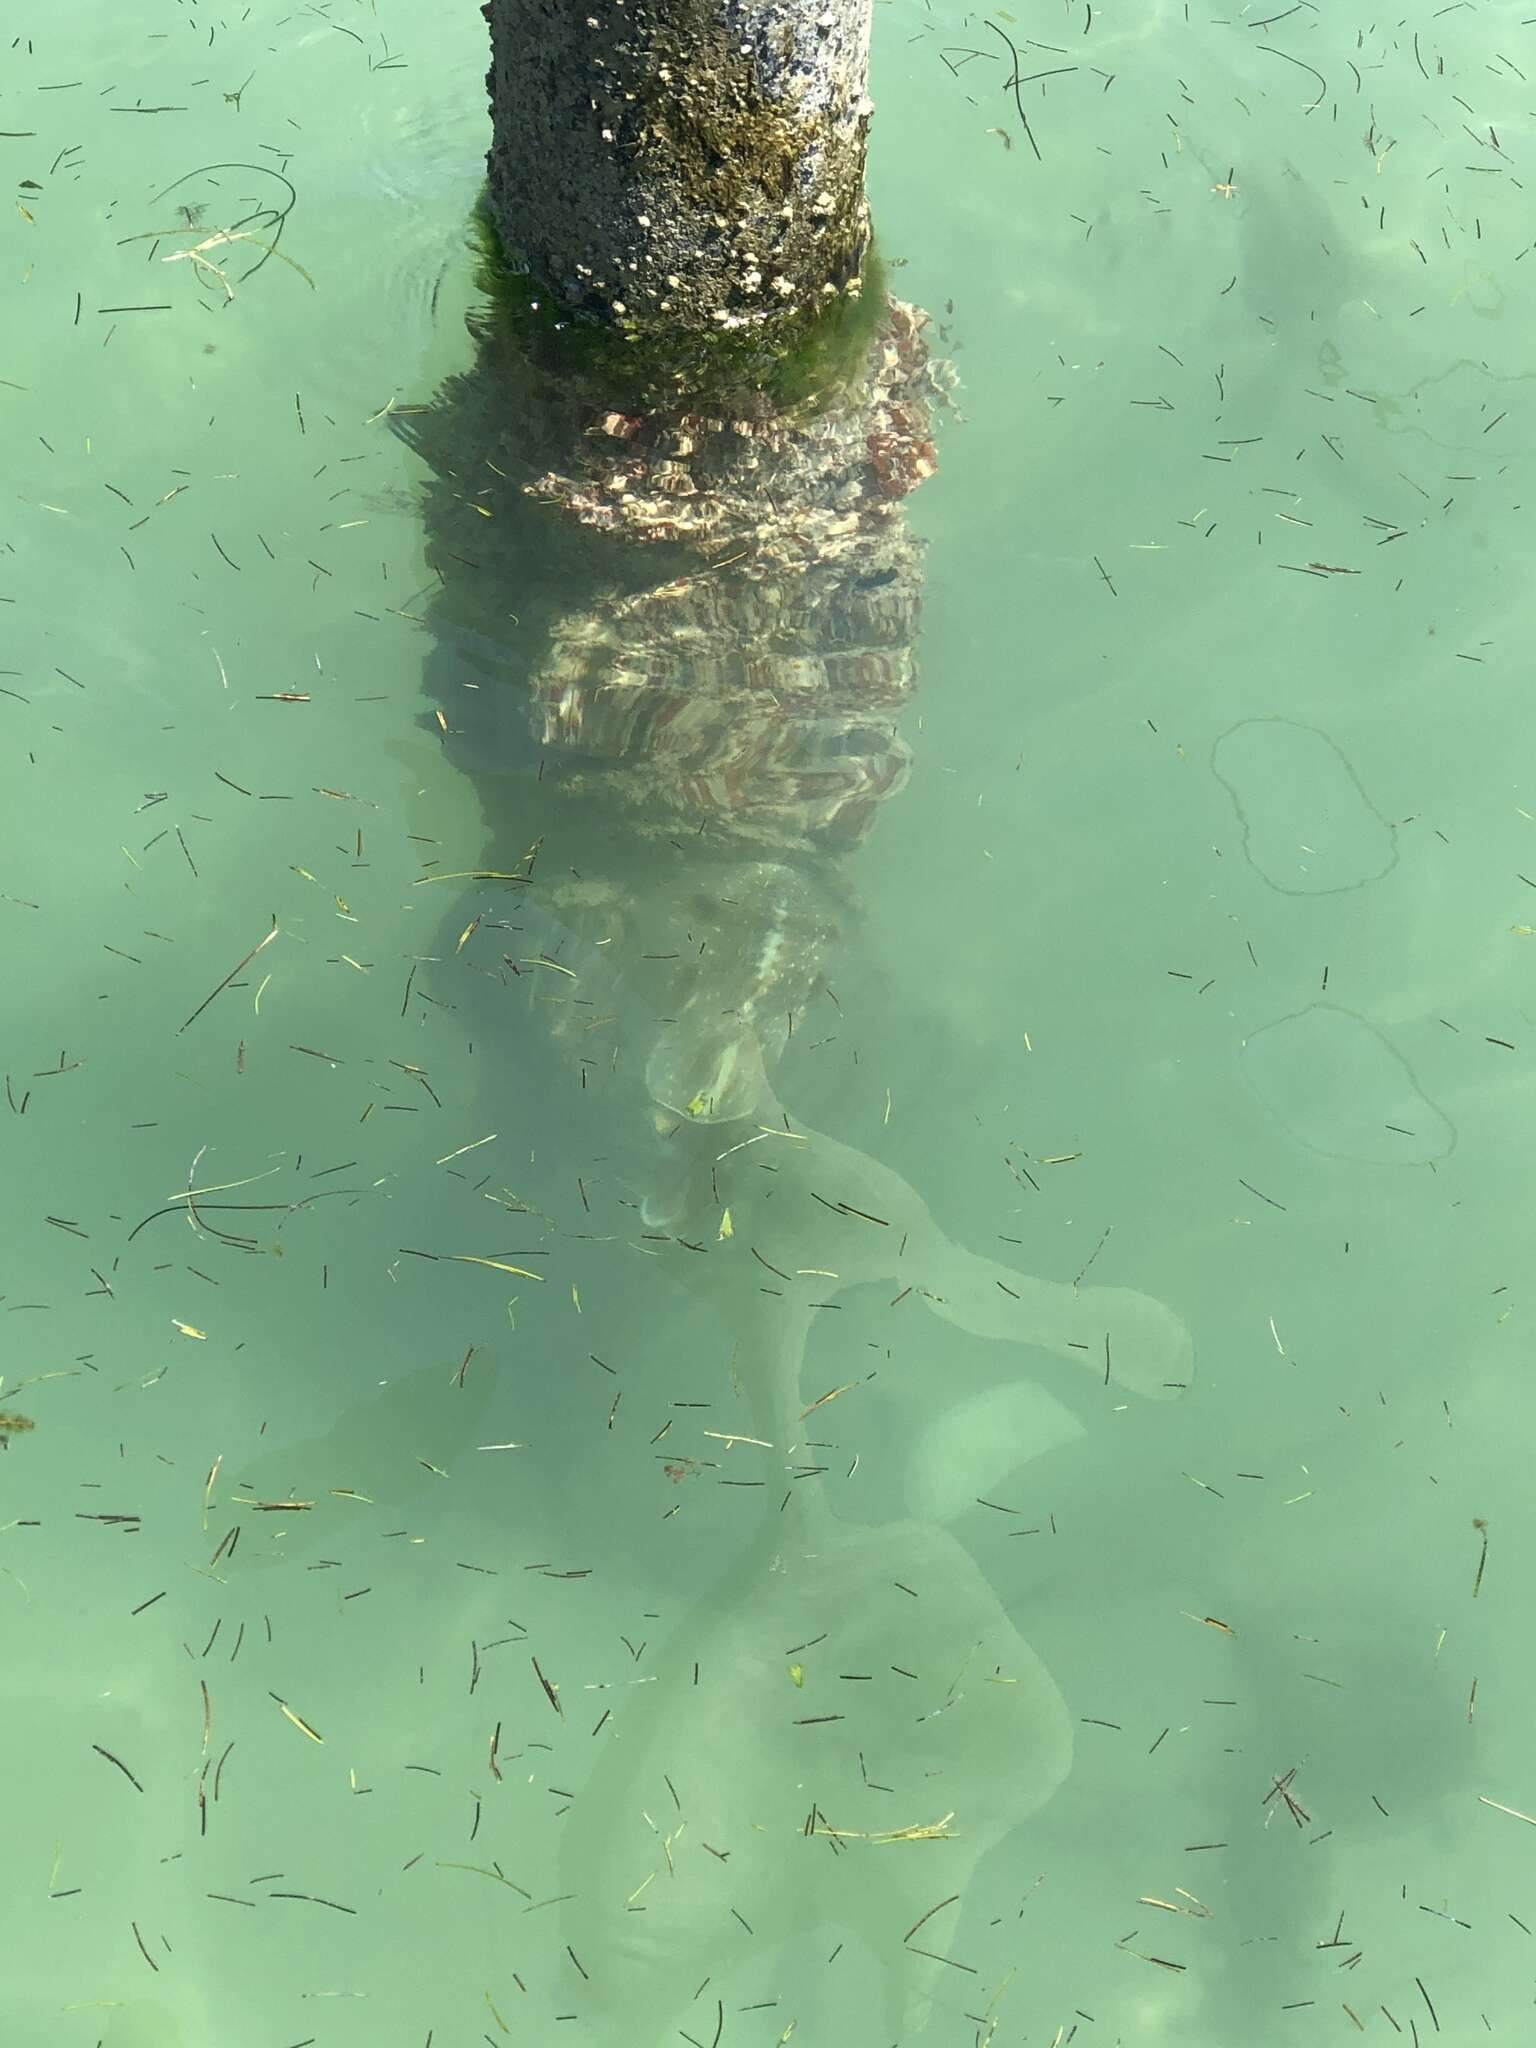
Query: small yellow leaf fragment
column 187, row 1330
column 727, row 1227
column 797, row 1673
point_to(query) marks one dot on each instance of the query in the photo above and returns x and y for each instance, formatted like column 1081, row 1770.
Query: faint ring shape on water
column 1308, row 826
column 1343, row 1089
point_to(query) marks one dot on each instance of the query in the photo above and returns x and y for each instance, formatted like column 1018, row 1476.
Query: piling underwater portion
column 712, row 679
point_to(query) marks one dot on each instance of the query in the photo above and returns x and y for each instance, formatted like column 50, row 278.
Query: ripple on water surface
column 1308, row 826
column 1341, row 1087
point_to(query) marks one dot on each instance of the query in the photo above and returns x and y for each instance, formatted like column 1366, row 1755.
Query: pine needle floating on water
column 221, row 238
column 934, row 1831
column 498, row 1265
column 822, row 1399
column 302, row 1725
column 224, row 984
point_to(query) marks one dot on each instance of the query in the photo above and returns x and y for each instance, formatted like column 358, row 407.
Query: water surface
column 1178, row 1005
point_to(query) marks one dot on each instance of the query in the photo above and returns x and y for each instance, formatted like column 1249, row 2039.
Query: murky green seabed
column 1181, row 998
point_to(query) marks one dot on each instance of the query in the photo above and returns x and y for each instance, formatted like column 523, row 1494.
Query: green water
column 1182, row 997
